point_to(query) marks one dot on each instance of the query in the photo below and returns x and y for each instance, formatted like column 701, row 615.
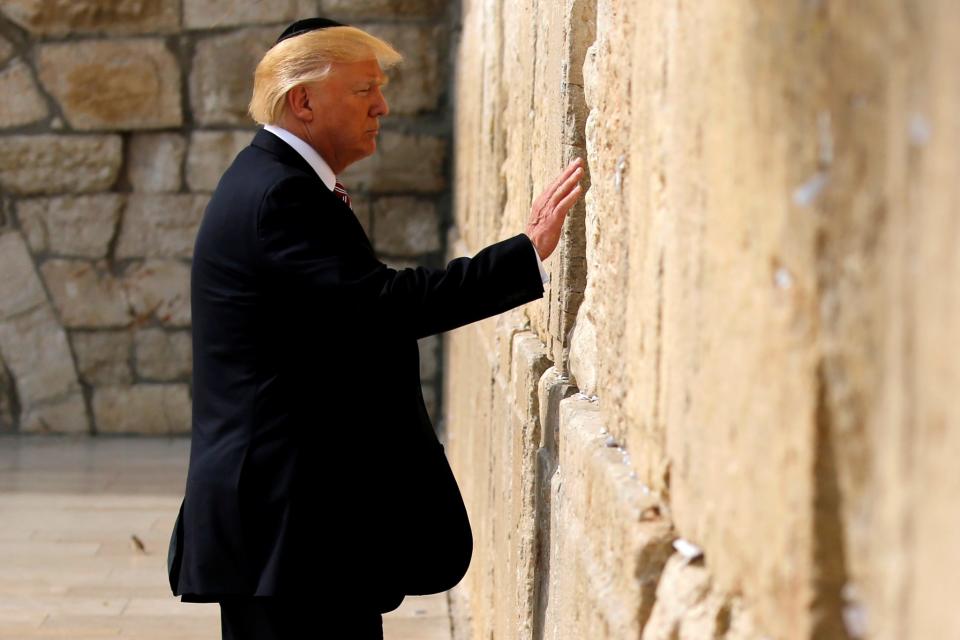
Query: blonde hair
column 307, row 58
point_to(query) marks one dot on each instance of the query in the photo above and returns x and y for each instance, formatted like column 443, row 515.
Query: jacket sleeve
column 305, row 243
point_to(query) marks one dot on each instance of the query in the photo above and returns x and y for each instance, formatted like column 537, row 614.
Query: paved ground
column 84, row 528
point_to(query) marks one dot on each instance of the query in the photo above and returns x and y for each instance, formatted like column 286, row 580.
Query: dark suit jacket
column 314, row 466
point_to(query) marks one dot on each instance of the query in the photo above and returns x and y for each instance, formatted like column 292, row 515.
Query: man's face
column 348, row 107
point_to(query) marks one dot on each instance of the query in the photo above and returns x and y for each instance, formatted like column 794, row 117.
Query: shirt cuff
column 543, row 272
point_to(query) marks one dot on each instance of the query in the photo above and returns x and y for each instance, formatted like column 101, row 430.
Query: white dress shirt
column 326, row 174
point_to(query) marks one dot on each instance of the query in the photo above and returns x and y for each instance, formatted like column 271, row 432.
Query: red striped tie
column 340, row 191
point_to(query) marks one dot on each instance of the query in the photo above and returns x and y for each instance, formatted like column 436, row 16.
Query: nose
column 380, row 106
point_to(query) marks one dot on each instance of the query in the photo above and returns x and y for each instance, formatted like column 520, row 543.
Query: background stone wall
column 733, row 413
column 117, row 120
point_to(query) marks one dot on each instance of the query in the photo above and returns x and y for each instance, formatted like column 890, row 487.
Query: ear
column 298, row 103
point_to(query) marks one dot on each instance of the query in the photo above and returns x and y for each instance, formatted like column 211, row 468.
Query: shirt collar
column 309, row 154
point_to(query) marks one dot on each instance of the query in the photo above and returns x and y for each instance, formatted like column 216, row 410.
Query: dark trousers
column 266, row 618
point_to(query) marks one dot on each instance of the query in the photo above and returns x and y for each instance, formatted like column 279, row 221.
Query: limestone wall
column 117, row 120
column 748, row 347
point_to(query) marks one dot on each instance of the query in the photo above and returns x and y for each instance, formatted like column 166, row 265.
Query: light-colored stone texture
column 86, row 294
column 429, row 357
column 160, row 226
column 113, row 84
column 163, row 355
column 207, row 14
column 155, row 162
column 142, row 408
column 6, row 50
column 103, row 357
column 63, row 415
column 378, row 9
column 35, row 349
column 403, row 162
column 49, row 164
column 159, row 290
column 416, row 83
column 20, row 288
column 211, row 152
column 405, row 226
column 80, row 226
column 22, row 103
column 220, row 93
column 62, row 17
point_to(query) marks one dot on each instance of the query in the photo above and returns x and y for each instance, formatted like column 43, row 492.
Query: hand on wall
column 550, row 209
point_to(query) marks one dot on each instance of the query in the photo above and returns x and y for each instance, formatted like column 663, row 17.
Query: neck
column 300, row 129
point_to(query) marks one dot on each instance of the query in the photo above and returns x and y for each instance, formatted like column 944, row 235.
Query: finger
column 562, row 191
column 574, row 165
column 564, row 205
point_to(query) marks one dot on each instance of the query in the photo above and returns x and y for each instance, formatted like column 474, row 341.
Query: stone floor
column 84, row 528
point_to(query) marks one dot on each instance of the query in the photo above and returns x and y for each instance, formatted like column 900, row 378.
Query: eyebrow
column 374, row 79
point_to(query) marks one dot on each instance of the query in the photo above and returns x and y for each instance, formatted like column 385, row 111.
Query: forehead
column 364, row 70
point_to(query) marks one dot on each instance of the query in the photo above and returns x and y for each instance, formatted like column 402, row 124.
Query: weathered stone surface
column 402, row 162
column 62, row 17
column 20, row 288
column 85, row 294
column 8, row 414
column 163, row 355
column 405, row 226
column 378, row 9
column 35, row 349
column 205, row 14
column 103, row 357
column 429, row 357
column 63, row 415
column 416, row 83
column 22, row 102
column 80, row 226
column 160, row 226
column 220, row 93
column 155, row 162
column 159, row 289
column 48, row 164
column 113, row 84
column 211, row 152
column 6, row 50
column 142, row 408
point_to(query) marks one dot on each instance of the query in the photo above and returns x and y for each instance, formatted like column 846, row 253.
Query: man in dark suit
column 318, row 494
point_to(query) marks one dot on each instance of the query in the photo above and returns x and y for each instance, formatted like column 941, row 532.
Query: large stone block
column 80, row 226
column 206, row 14
column 63, row 415
column 405, row 226
column 381, row 9
column 142, row 408
column 416, row 83
column 115, row 84
column 35, row 349
column 48, row 164
column 211, row 152
column 160, row 226
column 20, row 288
column 163, row 355
column 22, row 103
column 103, row 357
column 85, row 294
column 155, row 162
column 63, row 17
column 160, row 290
column 402, row 162
column 220, row 93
